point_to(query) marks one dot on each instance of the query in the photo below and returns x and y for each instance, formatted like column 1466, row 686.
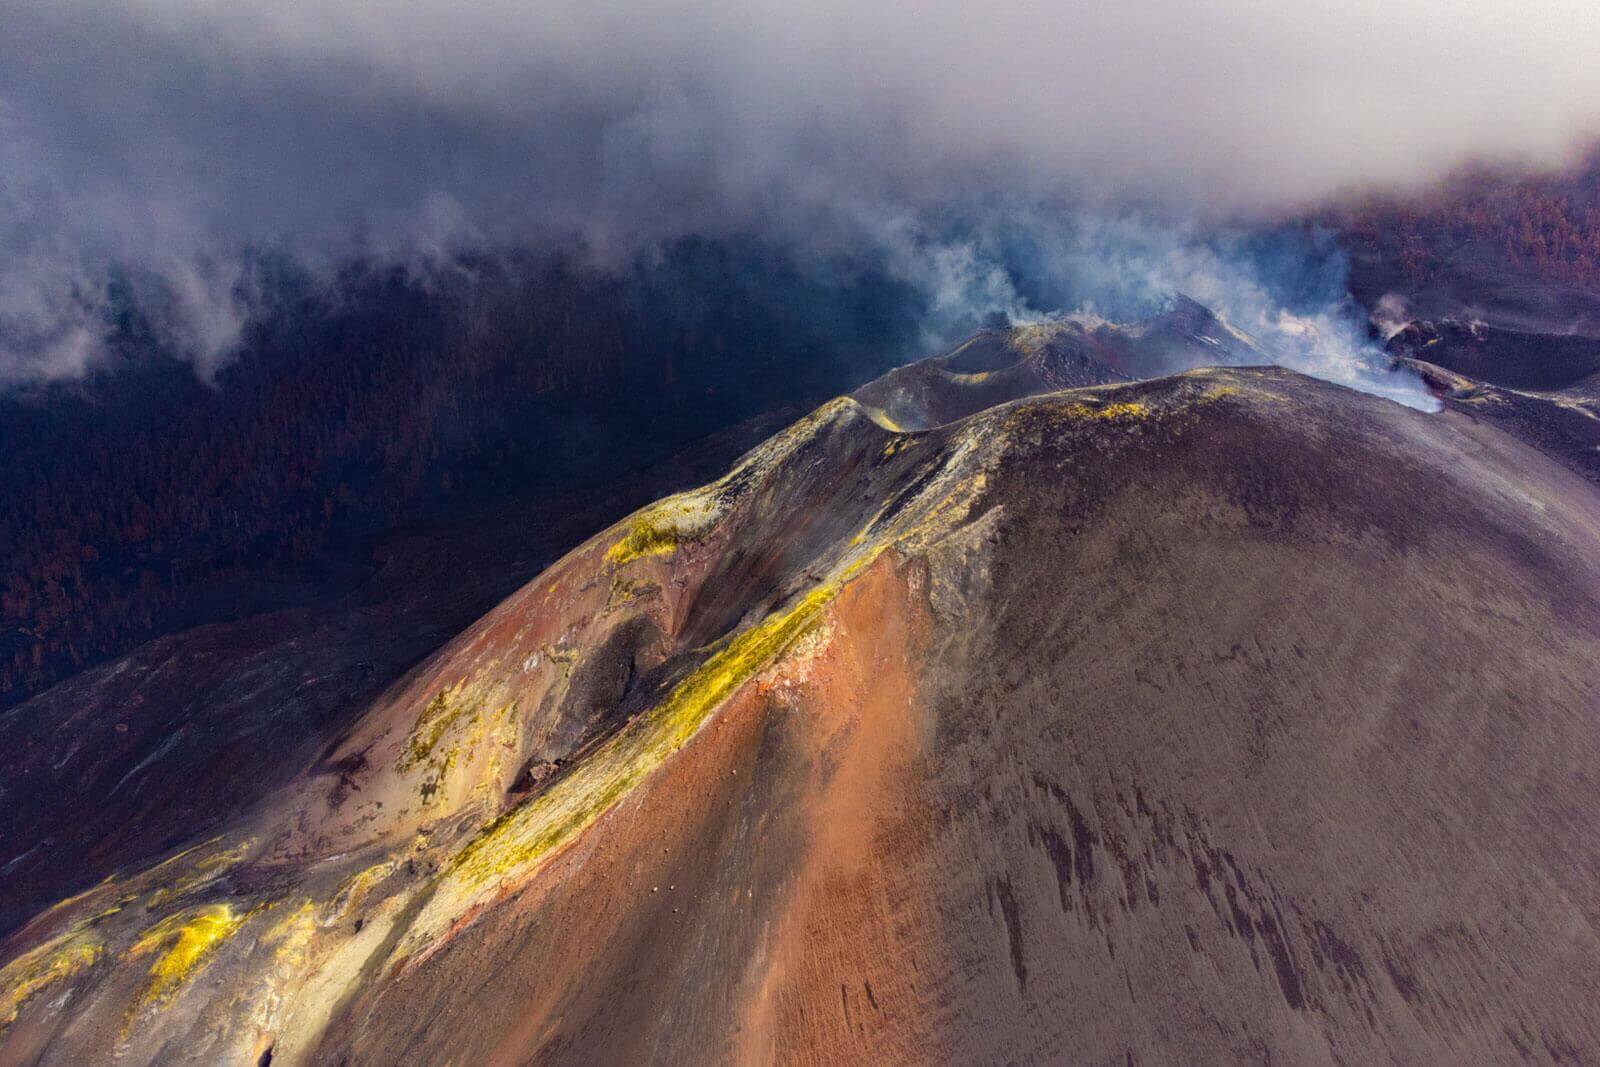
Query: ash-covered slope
column 1228, row 715
column 1543, row 388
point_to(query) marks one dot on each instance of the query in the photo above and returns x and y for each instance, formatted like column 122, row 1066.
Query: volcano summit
column 814, row 533
column 1008, row 710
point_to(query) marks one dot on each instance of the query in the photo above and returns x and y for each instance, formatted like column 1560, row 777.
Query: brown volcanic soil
column 1227, row 716
column 710, row 915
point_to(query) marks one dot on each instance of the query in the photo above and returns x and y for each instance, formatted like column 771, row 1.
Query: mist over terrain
column 1023, row 162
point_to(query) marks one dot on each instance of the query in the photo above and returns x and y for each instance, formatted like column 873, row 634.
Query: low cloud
column 156, row 143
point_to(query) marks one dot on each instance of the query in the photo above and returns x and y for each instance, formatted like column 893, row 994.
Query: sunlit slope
column 1198, row 718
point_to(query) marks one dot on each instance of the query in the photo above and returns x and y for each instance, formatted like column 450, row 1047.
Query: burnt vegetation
column 1540, row 226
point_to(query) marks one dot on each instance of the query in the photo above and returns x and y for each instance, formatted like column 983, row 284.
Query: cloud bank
column 147, row 143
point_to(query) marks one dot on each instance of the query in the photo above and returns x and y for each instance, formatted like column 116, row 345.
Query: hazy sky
column 165, row 132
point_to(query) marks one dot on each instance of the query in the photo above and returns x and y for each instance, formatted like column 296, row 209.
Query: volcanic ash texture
column 1222, row 716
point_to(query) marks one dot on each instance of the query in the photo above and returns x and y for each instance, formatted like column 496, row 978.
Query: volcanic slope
column 1230, row 715
column 1541, row 387
column 998, row 365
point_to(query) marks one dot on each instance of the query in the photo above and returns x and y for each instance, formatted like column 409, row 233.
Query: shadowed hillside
column 144, row 501
column 1543, row 388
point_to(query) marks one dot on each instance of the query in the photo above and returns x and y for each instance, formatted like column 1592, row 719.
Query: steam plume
column 150, row 143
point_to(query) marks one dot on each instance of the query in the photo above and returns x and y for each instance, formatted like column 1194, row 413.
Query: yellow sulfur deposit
column 659, row 529
column 54, row 961
column 1122, row 409
column 184, row 941
column 512, row 845
column 644, row 538
column 440, row 714
column 529, row 832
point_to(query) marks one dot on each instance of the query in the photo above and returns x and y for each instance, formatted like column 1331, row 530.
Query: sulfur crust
column 516, row 842
column 661, row 528
column 50, row 963
column 183, row 942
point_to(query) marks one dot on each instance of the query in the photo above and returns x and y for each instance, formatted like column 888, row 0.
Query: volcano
column 1007, row 710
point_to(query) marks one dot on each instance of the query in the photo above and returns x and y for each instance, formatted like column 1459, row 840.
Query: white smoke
column 1094, row 267
column 162, row 137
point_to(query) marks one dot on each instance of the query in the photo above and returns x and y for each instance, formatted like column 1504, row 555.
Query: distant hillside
column 143, row 500
column 1522, row 247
